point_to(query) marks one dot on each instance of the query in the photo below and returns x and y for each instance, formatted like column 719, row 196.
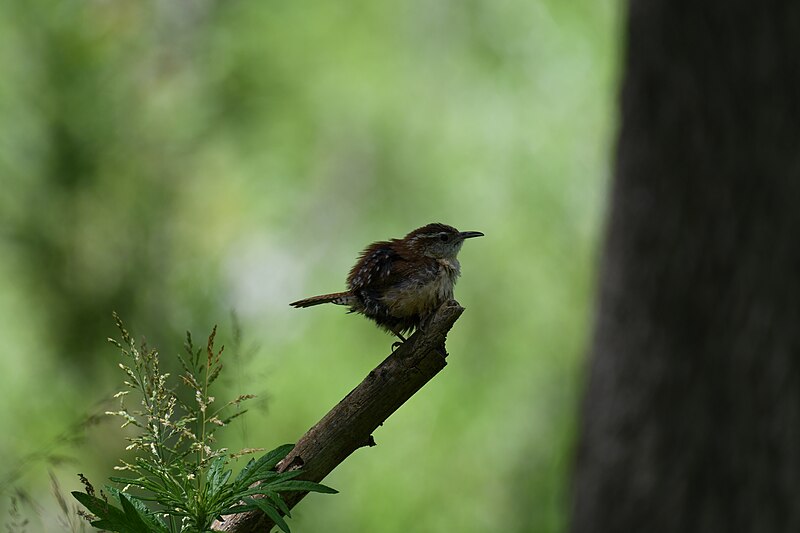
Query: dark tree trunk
column 691, row 420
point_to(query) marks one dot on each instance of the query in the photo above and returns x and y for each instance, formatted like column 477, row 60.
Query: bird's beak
column 470, row 234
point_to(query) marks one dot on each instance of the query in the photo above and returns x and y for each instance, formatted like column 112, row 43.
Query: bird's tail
column 338, row 298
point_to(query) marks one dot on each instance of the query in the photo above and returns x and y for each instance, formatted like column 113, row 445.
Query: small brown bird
column 399, row 283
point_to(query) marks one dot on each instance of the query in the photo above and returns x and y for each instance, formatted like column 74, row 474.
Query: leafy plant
column 178, row 481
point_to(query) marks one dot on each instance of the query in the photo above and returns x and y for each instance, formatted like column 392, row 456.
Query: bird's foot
column 399, row 343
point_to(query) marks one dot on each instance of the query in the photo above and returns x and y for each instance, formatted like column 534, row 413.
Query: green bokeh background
column 180, row 161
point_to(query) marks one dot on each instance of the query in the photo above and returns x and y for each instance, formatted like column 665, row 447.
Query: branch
column 349, row 425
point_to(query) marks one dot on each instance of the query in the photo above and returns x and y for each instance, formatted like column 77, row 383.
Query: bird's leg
column 440, row 350
column 395, row 345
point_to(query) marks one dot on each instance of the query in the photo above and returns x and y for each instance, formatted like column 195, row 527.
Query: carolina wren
column 399, row 283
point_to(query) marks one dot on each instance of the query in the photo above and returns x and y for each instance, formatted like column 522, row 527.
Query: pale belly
column 422, row 297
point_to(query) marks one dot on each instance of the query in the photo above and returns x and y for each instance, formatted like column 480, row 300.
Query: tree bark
column 349, row 425
column 691, row 418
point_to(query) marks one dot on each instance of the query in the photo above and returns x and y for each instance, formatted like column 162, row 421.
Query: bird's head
column 438, row 240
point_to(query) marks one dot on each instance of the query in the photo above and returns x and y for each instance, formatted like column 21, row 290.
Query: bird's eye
column 444, row 237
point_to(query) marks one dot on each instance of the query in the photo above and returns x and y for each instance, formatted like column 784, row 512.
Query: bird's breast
column 424, row 292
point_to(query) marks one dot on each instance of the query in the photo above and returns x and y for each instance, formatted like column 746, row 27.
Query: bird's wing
column 378, row 266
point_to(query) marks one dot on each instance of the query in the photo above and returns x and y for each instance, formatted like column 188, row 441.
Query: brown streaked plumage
column 398, row 283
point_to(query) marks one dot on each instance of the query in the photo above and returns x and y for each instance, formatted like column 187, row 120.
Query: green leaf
column 270, row 511
column 296, row 485
column 276, row 499
column 95, row 505
column 236, row 509
column 152, row 520
column 217, row 476
column 264, row 463
column 132, row 514
column 245, row 470
column 270, row 477
column 110, row 517
column 284, row 476
column 137, row 482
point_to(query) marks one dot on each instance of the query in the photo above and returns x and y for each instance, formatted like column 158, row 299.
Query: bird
column 400, row 283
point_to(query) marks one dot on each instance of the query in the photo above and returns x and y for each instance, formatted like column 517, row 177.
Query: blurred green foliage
column 176, row 161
